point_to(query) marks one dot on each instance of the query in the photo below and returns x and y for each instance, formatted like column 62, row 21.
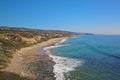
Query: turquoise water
column 100, row 55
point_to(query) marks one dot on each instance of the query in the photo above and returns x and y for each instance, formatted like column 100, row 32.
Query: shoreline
column 28, row 62
column 63, row 65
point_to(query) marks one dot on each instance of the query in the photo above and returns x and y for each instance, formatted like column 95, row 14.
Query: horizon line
column 60, row 30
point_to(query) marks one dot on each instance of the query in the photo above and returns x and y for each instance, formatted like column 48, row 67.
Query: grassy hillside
column 13, row 39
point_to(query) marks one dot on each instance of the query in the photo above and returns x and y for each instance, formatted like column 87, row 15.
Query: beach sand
column 29, row 62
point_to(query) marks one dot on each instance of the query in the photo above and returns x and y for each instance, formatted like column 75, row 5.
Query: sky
column 92, row 16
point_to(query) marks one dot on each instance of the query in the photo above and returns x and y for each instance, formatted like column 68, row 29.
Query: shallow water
column 96, row 57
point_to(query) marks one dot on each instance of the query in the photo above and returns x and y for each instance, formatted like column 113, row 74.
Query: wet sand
column 28, row 62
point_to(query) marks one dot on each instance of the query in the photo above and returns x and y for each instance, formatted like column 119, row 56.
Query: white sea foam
column 64, row 65
column 58, row 44
column 63, row 40
column 50, row 47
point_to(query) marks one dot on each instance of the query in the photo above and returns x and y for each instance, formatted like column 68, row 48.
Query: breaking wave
column 63, row 64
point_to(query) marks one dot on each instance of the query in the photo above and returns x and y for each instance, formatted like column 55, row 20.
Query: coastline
column 29, row 62
column 63, row 65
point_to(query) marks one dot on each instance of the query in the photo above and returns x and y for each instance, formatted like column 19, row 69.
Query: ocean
column 90, row 57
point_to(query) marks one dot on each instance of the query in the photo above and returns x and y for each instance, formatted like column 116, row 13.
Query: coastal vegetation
column 13, row 39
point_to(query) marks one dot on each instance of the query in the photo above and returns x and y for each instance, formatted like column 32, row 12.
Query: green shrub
column 11, row 76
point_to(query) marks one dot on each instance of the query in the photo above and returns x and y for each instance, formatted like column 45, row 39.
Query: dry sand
column 28, row 63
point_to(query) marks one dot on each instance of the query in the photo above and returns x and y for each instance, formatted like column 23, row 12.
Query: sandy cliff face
column 14, row 37
column 33, row 40
column 18, row 38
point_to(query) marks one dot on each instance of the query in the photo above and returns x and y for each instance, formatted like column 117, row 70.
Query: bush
column 11, row 76
column 8, row 44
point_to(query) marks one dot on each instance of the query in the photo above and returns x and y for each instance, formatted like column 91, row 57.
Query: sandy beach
column 28, row 62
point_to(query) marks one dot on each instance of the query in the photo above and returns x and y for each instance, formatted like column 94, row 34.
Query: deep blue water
column 100, row 55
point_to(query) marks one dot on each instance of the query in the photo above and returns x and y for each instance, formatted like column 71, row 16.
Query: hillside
column 13, row 39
